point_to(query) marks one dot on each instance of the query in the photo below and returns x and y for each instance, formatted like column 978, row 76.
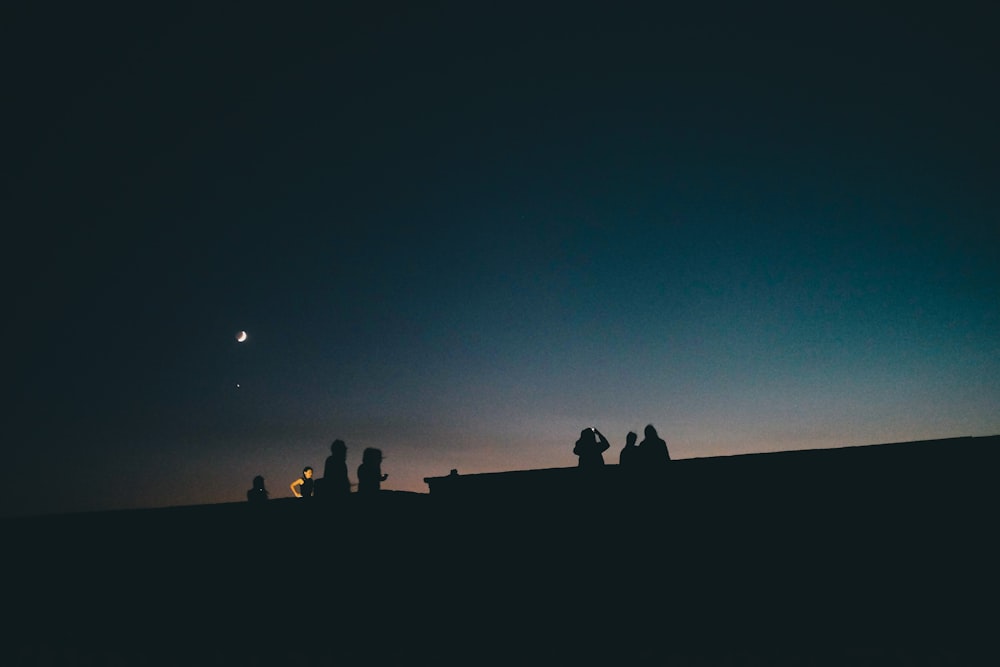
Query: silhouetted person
column 590, row 448
column 258, row 493
column 653, row 449
column 370, row 475
column 629, row 456
column 336, row 483
column 303, row 487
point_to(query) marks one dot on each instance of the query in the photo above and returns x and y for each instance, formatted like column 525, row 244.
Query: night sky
column 461, row 232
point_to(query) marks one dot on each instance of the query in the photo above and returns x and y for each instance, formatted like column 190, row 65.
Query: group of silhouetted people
column 648, row 454
column 335, row 483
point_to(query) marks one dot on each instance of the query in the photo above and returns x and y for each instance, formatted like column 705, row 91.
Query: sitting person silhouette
column 303, row 486
column 629, row 456
column 258, row 493
column 653, row 449
column 590, row 448
column 370, row 475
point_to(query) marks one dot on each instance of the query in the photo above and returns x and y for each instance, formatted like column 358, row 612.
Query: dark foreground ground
column 886, row 558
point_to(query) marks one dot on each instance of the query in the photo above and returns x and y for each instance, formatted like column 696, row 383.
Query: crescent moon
column 241, row 336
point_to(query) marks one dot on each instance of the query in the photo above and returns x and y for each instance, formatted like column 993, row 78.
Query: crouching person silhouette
column 258, row 493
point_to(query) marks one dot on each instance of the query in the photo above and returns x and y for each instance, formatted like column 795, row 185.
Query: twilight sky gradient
column 463, row 232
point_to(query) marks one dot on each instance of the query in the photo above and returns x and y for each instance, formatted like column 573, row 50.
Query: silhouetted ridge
column 876, row 550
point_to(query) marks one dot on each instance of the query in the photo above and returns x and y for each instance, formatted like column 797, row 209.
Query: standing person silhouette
column 336, row 483
column 653, row 449
column 370, row 475
column 303, row 486
column 590, row 448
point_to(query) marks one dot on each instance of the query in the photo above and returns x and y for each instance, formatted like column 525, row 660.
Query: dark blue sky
column 462, row 234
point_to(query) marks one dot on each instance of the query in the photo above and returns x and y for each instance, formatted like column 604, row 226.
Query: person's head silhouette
column 338, row 448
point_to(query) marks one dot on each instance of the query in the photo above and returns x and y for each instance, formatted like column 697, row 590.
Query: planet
column 241, row 336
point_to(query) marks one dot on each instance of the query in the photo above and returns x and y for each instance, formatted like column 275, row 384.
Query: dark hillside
column 863, row 555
